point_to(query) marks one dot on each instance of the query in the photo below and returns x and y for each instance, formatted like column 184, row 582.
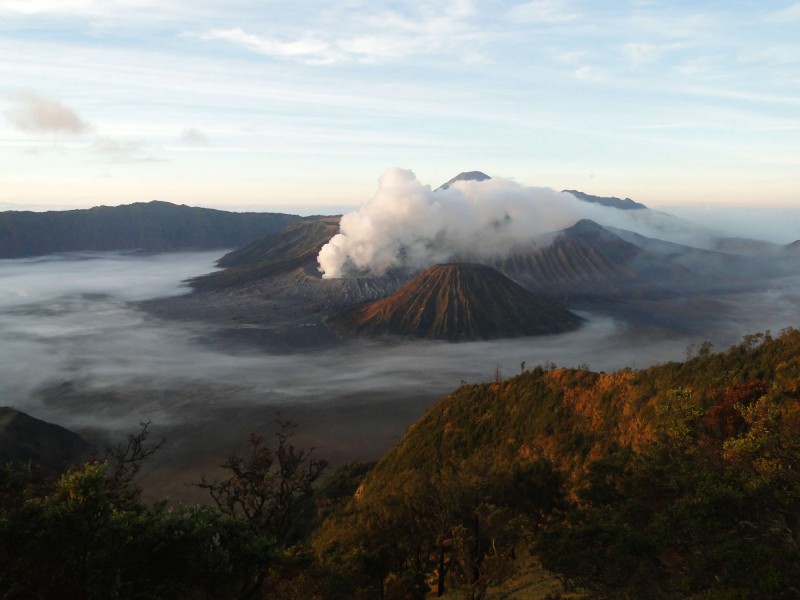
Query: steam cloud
column 34, row 113
column 409, row 225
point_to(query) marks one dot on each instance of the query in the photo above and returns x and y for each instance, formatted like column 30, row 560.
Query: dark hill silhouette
column 150, row 226
column 457, row 302
column 51, row 448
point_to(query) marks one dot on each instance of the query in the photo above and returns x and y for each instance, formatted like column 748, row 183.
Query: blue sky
column 264, row 104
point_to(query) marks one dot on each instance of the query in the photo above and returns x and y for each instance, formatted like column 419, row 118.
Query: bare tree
column 269, row 487
column 125, row 460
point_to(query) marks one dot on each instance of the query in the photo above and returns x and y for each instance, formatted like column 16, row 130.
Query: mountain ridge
column 609, row 201
column 154, row 226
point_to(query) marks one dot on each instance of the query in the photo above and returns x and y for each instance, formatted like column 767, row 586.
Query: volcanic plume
column 457, row 302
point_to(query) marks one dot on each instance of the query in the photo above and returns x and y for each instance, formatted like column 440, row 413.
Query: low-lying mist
column 77, row 351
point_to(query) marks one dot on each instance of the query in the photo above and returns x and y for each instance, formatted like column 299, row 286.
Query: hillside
column 679, row 481
column 49, row 447
column 150, row 226
column 660, row 483
column 457, row 302
column 572, row 416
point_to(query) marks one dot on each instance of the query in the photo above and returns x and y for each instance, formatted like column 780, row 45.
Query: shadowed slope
column 296, row 245
column 457, row 302
column 51, row 448
column 586, row 261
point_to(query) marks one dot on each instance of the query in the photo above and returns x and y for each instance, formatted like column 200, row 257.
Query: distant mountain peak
column 585, row 226
column 465, row 176
column 610, row 201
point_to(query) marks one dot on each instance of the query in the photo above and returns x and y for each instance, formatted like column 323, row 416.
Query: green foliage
column 91, row 538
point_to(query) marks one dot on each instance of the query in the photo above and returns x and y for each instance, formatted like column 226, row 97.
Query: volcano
column 465, row 176
column 586, row 261
column 457, row 302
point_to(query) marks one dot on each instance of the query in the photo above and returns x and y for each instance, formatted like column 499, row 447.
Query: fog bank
column 76, row 351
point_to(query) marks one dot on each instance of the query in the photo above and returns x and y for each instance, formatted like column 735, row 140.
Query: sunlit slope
column 573, row 416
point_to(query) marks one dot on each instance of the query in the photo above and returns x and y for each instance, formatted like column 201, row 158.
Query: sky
column 278, row 105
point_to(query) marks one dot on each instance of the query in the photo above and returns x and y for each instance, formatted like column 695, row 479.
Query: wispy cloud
column 117, row 151
column 194, row 137
column 641, row 53
column 88, row 8
column 694, row 67
column 384, row 34
column 589, row 73
column 33, row 113
column 545, row 11
column 306, row 49
column 790, row 14
column 570, row 57
column 33, row 7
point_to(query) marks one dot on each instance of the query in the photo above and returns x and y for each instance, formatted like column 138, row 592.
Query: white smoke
column 407, row 224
